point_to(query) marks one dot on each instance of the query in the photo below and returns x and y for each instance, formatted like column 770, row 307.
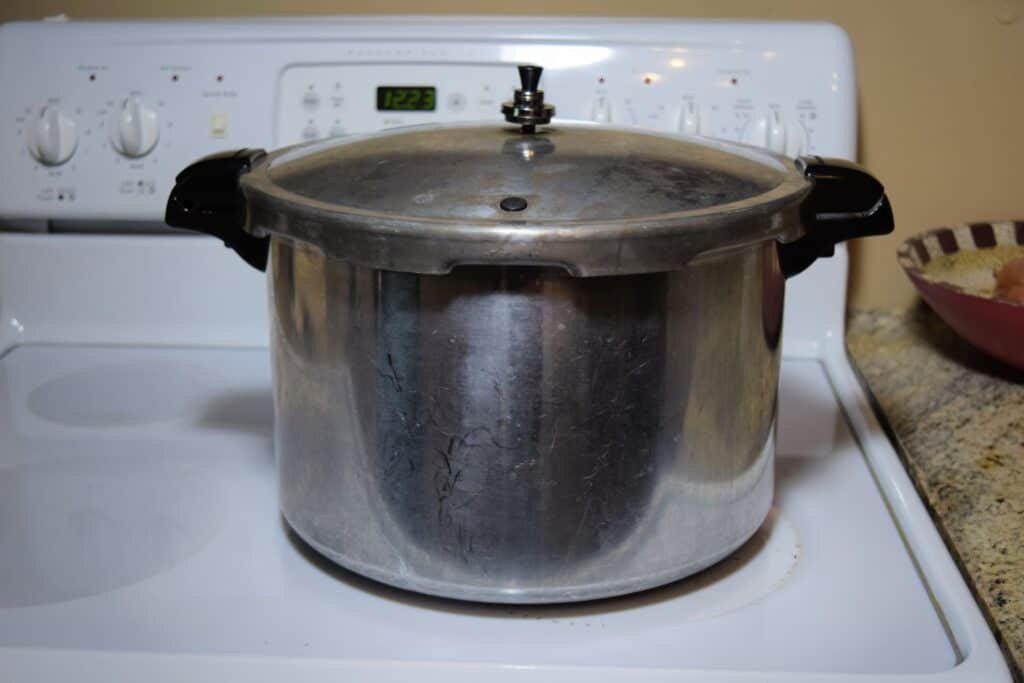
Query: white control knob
column 51, row 137
column 689, row 119
column 602, row 111
column 136, row 129
column 767, row 131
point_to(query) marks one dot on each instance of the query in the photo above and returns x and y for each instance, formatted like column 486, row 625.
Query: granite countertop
column 958, row 419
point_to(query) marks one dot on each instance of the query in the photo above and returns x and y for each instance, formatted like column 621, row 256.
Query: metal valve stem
column 527, row 107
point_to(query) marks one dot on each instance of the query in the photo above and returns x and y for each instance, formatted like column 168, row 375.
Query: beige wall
column 941, row 92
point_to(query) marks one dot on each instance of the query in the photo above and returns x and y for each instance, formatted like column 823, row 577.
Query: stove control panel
column 97, row 130
column 324, row 100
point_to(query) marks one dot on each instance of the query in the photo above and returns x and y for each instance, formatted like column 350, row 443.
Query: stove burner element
column 79, row 526
column 760, row 567
column 756, row 570
column 121, row 395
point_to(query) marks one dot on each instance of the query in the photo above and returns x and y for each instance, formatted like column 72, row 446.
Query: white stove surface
column 138, row 512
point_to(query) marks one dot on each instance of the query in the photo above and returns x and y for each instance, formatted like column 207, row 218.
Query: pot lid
column 596, row 200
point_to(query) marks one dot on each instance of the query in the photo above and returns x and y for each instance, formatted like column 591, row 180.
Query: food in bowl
column 1010, row 281
column 960, row 273
column 974, row 271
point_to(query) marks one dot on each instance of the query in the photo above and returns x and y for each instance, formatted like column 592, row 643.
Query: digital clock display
column 406, row 98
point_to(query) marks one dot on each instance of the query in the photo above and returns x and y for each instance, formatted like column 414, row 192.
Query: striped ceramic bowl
column 954, row 271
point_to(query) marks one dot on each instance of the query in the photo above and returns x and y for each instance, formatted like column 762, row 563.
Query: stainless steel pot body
column 515, row 434
column 521, row 433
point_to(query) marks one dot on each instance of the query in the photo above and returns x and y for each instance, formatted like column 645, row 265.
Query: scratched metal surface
column 599, row 200
column 519, row 435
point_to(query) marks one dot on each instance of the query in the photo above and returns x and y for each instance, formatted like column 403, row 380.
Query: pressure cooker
column 526, row 361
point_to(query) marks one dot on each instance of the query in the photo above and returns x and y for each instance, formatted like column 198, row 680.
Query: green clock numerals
column 406, row 98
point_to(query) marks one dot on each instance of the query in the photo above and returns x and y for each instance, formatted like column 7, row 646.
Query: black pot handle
column 846, row 202
column 206, row 198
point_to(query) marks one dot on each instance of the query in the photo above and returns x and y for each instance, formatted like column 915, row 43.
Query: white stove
column 139, row 532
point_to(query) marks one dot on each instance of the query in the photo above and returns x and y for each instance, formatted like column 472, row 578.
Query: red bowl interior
column 993, row 325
